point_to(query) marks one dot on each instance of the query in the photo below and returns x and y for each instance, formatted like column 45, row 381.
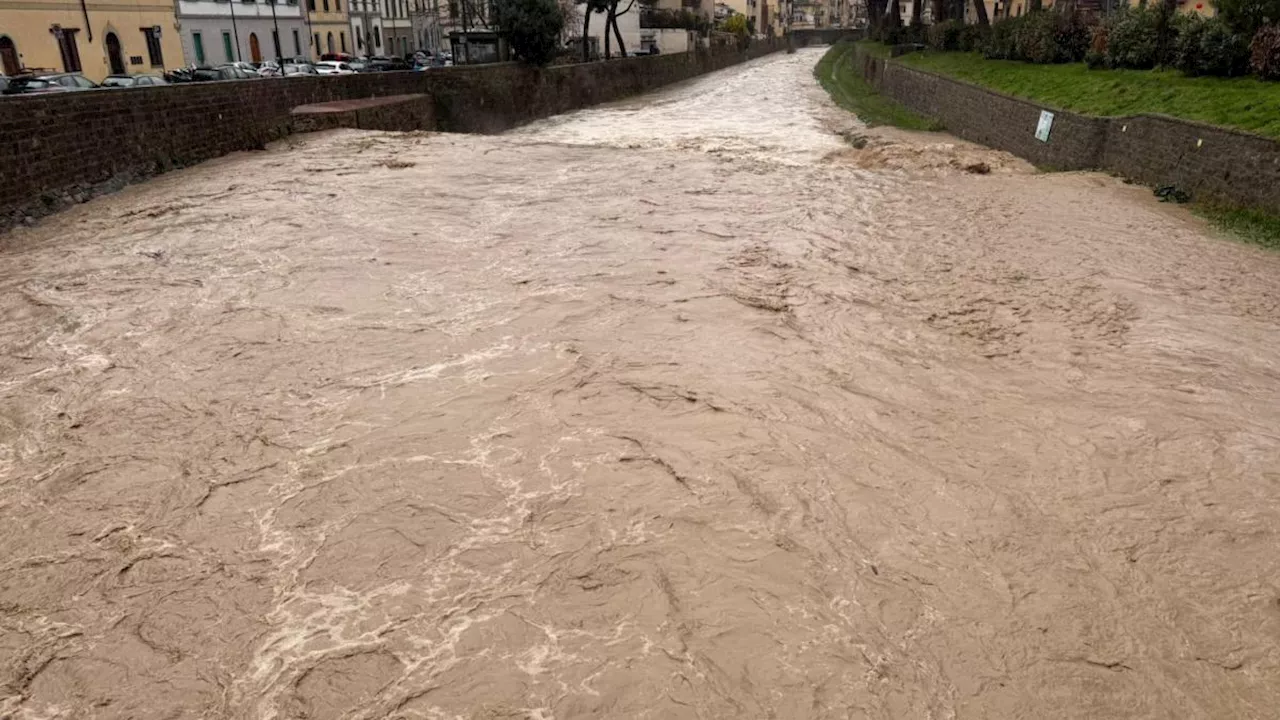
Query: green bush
column 532, row 28
column 1247, row 17
column 973, row 37
column 1096, row 56
column 1054, row 37
column 1265, row 55
column 1132, row 39
column 946, row 35
column 1209, row 47
column 1001, row 41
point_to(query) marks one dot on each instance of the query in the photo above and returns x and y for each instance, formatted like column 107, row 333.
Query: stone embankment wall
column 1210, row 162
column 57, row 149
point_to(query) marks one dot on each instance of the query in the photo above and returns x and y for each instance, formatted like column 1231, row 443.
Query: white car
column 332, row 67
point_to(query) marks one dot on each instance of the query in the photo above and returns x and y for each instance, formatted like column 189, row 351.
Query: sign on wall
column 1044, row 126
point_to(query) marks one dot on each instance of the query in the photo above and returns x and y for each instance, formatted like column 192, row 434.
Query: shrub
column 532, row 28
column 1209, row 47
column 1001, row 41
column 1132, row 39
column 973, row 37
column 1246, row 17
column 1096, row 56
column 1039, row 37
column 946, row 35
column 1265, row 55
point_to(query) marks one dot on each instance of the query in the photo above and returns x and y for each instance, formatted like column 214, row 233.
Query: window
column 153, row 46
column 297, row 44
column 197, row 46
column 377, row 36
column 319, row 48
column 311, row 5
column 329, row 38
column 226, row 47
column 343, row 37
column 337, row 5
column 67, row 47
column 326, row 5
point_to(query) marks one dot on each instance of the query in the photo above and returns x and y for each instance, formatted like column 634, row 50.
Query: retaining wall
column 57, row 149
column 1210, row 162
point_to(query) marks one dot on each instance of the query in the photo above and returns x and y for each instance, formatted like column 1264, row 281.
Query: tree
column 1246, row 16
column 980, row 8
column 532, row 27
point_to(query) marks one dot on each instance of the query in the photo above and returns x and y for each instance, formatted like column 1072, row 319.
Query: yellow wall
column 28, row 24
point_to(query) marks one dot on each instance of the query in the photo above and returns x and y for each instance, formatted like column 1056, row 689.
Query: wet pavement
column 678, row 408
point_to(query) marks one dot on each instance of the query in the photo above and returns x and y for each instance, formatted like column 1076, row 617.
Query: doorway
column 9, row 61
column 115, row 54
column 255, row 52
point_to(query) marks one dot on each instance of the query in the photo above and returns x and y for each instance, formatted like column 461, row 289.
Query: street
column 684, row 407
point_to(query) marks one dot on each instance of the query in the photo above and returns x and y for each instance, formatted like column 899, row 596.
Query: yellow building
column 330, row 27
column 91, row 37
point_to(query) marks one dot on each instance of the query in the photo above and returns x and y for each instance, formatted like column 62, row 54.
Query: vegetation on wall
column 532, row 27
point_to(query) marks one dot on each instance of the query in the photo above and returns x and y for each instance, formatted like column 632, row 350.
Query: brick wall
column 57, row 149
column 1212, row 163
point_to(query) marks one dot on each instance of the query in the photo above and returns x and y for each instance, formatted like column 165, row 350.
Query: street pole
column 275, row 33
column 235, row 30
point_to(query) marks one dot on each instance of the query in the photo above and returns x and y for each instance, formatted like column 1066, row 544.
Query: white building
column 215, row 32
column 366, row 27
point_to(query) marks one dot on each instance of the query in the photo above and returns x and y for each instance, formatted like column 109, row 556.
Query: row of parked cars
column 53, row 82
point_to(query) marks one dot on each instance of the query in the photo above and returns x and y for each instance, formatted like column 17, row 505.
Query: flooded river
column 679, row 408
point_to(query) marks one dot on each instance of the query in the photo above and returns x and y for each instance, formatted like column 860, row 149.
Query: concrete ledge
column 390, row 112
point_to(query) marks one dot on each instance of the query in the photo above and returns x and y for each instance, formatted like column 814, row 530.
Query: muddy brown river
column 677, row 408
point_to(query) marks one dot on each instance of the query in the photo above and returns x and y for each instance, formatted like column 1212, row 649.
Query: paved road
column 679, row 408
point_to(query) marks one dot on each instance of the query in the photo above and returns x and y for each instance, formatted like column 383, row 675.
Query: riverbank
column 1244, row 103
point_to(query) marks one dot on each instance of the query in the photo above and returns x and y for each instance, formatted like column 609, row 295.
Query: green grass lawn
column 837, row 75
column 1241, row 103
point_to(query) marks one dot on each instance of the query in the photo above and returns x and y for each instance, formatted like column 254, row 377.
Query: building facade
column 94, row 38
column 216, row 31
column 397, row 28
column 330, row 27
column 366, row 26
column 424, row 20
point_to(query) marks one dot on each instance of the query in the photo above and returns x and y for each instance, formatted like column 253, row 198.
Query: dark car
column 119, row 81
column 31, row 85
column 384, row 64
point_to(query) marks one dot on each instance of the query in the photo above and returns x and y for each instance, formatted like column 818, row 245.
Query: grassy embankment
column 1245, row 104
column 836, row 73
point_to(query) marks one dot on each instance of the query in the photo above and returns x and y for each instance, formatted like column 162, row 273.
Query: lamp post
column 234, row 30
column 275, row 33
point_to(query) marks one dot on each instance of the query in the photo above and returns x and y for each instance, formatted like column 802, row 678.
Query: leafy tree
column 1246, row 16
column 736, row 24
column 532, row 27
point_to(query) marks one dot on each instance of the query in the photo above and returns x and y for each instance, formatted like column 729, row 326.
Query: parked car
column 237, row 71
column 247, row 67
column 360, row 66
column 31, row 85
column 386, row 64
column 336, row 57
column 70, row 81
column 268, row 69
column 299, row 69
column 50, row 82
column 133, row 81
column 333, row 67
